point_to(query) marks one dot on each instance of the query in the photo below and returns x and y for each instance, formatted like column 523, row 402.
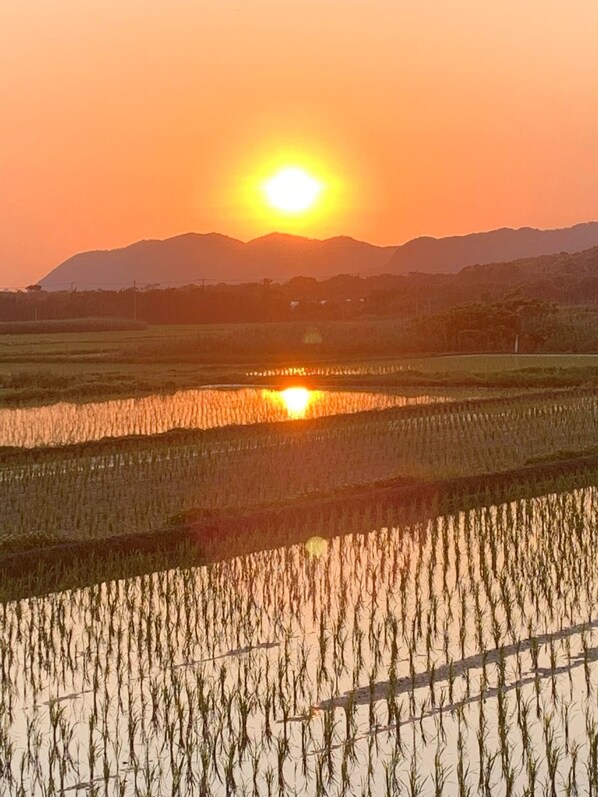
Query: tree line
column 535, row 305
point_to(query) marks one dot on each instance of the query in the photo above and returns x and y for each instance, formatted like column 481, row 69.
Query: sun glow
column 292, row 190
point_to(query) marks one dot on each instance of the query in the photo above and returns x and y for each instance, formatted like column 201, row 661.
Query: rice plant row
column 121, row 487
column 453, row 656
column 67, row 423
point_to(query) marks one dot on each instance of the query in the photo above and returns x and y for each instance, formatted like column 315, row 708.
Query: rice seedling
column 450, row 653
column 133, row 486
column 385, row 662
column 68, row 423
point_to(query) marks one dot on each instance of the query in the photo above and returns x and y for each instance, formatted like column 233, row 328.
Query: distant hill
column 194, row 257
column 448, row 255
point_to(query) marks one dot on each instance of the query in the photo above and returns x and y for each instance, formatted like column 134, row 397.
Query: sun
column 292, row 190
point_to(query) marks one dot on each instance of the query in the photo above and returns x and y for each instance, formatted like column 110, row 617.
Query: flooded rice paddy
column 454, row 656
column 69, row 423
column 298, row 371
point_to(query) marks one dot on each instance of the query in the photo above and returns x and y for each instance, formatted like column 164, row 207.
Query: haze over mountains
column 194, row 257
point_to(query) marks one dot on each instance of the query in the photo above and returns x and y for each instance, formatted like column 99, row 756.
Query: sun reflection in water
column 295, row 400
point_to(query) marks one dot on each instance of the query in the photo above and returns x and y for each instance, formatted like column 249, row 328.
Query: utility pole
column 134, row 300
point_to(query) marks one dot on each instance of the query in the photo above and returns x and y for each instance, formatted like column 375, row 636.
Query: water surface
column 68, row 423
column 460, row 652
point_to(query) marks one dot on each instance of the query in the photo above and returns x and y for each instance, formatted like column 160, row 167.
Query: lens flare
column 316, row 547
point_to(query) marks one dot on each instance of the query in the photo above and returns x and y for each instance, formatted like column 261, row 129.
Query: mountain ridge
column 214, row 257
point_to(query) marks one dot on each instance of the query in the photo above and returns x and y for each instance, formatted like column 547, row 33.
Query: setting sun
column 292, row 190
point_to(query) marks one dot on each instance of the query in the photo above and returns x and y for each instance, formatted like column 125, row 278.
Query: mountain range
column 195, row 258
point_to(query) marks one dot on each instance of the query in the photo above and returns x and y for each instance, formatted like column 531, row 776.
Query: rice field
column 361, row 650
column 66, row 423
column 435, row 364
column 456, row 655
column 130, row 486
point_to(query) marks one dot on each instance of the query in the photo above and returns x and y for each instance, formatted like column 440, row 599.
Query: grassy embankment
column 44, row 368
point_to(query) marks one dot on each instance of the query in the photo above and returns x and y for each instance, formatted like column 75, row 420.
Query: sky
column 131, row 119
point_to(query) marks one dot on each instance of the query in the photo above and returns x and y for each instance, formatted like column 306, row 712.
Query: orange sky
column 128, row 119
